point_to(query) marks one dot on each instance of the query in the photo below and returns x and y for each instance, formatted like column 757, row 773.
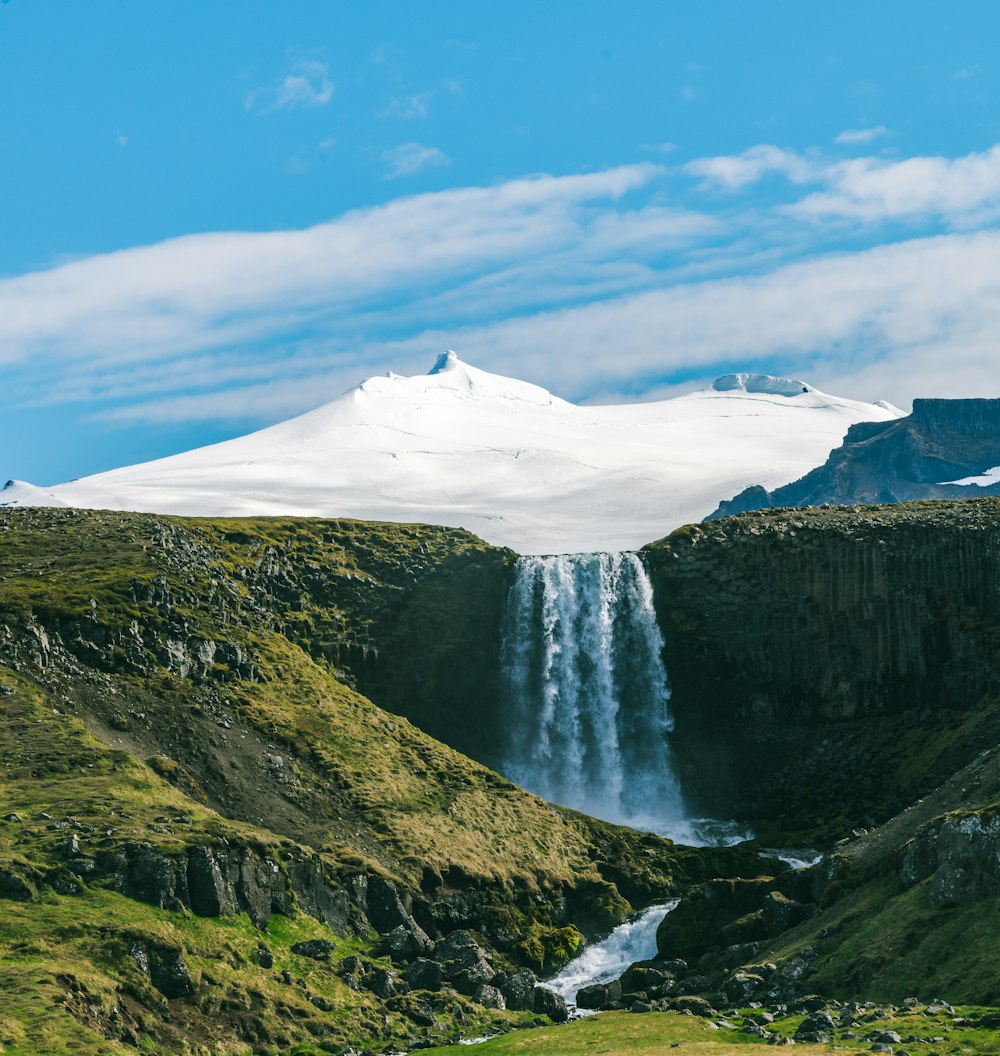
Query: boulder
column 816, row 1026
column 599, row 995
column 464, row 962
column 317, row 949
column 741, row 987
column 549, row 1003
column 165, row 966
column 423, row 974
column 406, row 942
column 489, row 997
column 519, row 991
column 468, row 980
column 697, row 1006
column 381, row 983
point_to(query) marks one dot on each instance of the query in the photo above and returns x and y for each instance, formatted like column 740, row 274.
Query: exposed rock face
column 165, row 966
column 961, row 855
column 909, row 458
column 733, row 914
column 818, row 642
column 220, row 881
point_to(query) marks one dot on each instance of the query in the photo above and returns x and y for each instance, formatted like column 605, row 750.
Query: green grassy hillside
column 195, row 785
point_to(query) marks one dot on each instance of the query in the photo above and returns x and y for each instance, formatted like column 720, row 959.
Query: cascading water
column 586, row 701
column 606, row 960
column 585, row 689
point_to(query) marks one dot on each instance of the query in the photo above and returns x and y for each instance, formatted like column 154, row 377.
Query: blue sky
column 214, row 216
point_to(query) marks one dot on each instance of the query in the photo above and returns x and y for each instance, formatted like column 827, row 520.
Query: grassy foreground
column 654, row 1033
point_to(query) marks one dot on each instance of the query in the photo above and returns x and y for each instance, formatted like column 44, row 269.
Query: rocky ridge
column 900, row 461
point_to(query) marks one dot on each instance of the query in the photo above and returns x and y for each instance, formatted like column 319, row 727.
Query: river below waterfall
column 635, row 940
column 586, row 699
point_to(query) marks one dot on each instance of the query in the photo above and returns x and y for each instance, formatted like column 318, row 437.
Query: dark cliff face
column 829, row 666
column 897, row 461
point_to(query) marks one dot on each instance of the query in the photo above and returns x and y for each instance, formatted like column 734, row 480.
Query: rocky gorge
column 219, row 760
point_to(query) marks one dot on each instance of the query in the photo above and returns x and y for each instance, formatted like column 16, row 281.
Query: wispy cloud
column 410, row 158
column 595, row 283
column 88, row 321
column 736, row 171
column 308, row 84
column 409, row 107
column 853, row 136
column 869, row 189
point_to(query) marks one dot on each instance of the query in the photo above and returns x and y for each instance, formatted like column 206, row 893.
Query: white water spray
column 607, row 960
column 586, row 697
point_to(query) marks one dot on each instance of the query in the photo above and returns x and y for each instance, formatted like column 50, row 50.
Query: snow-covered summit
column 507, row 459
column 760, row 383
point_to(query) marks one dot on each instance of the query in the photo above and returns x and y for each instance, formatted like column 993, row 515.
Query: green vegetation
column 173, row 685
column 968, row 1031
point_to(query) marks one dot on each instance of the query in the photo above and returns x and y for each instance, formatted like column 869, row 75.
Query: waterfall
column 585, row 691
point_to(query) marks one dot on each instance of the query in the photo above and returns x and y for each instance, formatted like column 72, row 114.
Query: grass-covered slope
column 195, row 785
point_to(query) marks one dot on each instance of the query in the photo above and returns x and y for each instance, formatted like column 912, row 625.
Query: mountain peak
column 446, row 361
column 764, row 383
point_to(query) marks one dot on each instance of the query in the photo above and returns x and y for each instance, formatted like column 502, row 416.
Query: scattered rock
column 317, row 949
column 381, row 983
column 15, row 886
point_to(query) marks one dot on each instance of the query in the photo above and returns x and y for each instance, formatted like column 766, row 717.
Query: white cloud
column 850, row 136
column 868, row 189
column 308, row 84
column 591, row 283
column 410, row 158
column 733, row 172
column 189, row 294
column 873, row 189
column 898, row 321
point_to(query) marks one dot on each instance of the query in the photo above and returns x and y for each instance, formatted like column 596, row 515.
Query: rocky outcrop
column 959, row 854
column 223, row 880
column 898, row 461
column 806, row 648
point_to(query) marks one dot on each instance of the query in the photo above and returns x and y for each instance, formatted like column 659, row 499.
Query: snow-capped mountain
column 503, row 458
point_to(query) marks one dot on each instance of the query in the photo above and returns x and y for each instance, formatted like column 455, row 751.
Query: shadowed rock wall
column 825, row 660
